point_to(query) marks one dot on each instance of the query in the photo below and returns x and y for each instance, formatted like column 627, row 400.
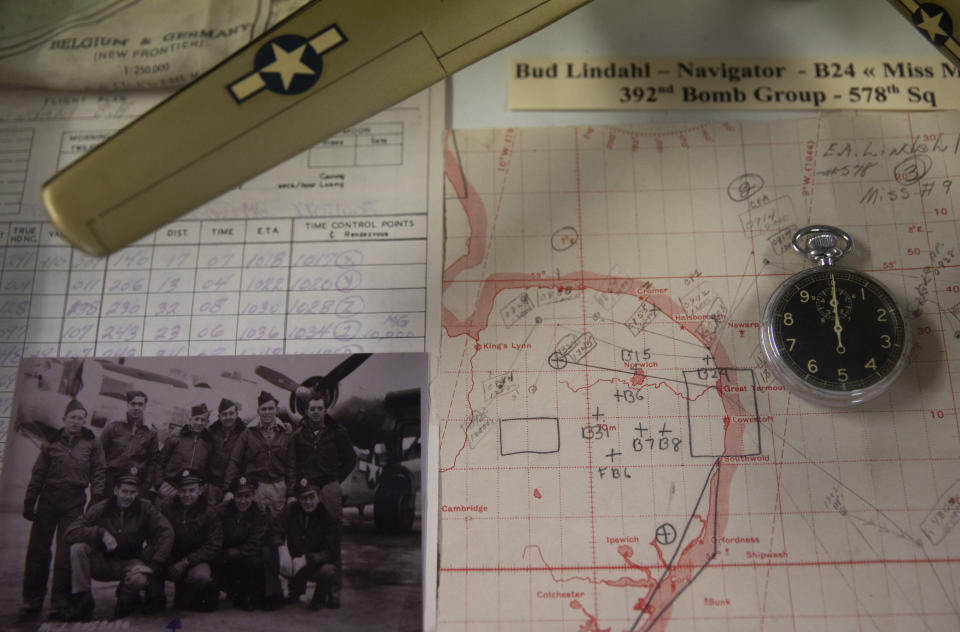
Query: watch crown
column 822, row 243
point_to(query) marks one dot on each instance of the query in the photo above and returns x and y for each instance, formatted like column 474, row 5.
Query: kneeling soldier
column 240, row 566
column 197, row 538
column 312, row 537
column 124, row 538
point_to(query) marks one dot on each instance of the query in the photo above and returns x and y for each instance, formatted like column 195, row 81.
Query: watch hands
column 837, row 327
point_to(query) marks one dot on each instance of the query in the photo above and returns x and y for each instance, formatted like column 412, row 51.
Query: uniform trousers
column 332, row 499
column 56, row 509
column 87, row 562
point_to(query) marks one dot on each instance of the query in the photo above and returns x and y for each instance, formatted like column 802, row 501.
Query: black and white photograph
column 209, row 493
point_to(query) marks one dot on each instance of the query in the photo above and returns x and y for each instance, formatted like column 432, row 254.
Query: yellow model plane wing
column 938, row 21
column 329, row 65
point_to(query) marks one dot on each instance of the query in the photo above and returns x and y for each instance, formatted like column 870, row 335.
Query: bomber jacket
column 139, row 524
column 222, row 442
column 255, row 457
column 186, row 449
column 68, row 462
column 245, row 531
column 126, row 444
column 304, row 533
column 321, row 456
column 198, row 535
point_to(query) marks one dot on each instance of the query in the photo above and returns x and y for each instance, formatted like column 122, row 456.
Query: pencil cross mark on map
column 666, row 533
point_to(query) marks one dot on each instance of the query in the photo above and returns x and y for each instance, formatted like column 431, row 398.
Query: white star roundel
column 287, row 64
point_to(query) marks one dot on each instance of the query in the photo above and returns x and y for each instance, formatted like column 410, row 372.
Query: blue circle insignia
column 288, row 64
column 934, row 22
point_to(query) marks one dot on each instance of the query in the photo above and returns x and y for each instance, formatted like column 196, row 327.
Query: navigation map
column 614, row 453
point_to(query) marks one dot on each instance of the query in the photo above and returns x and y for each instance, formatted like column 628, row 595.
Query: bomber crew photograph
column 248, row 492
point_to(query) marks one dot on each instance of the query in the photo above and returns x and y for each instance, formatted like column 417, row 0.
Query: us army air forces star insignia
column 933, row 21
column 287, row 64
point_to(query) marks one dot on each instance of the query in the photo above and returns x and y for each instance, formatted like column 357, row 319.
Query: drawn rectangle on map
column 529, row 435
column 576, row 349
column 712, row 325
column 944, row 516
column 477, row 427
column 708, row 418
column 550, row 295
column 516, row 309
column 642, row 317
column 498, row 385
column 615, row 287
column 765, row 215
column 782, row 240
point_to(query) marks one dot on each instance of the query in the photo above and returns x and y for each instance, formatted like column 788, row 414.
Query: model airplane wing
column 936, row 21
column 331, row 64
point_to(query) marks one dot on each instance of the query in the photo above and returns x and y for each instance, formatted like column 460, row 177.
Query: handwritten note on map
column 614, row 455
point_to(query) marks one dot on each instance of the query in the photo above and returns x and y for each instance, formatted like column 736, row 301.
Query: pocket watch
column 833, row 335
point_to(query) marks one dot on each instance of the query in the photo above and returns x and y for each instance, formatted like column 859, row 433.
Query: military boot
column 28, row 612
column 318, row 599
column 81, row 607
column 126, row 606
column 208, row 598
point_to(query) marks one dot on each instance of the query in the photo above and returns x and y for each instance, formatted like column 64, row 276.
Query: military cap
column 266, row 397
column 130, row 475
column 243, row 484
column 225, row 404
column 200, row 409
column 73, row 405
column 305, row 486
column 189, row 475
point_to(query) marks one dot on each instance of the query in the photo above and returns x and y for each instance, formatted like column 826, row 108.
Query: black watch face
column 838, row 330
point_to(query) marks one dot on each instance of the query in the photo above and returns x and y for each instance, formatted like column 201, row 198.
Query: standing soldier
column 197, row 538
column 61, row 474
column 240, row 566
column 190, row 448
column 312, row 538
column 321, row 452
column 130, row 443
column 260, row 453
column 124, row 537
column 223, row 436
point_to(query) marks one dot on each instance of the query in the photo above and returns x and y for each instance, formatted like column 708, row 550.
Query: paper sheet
column 334, row 251
column 592, row 276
